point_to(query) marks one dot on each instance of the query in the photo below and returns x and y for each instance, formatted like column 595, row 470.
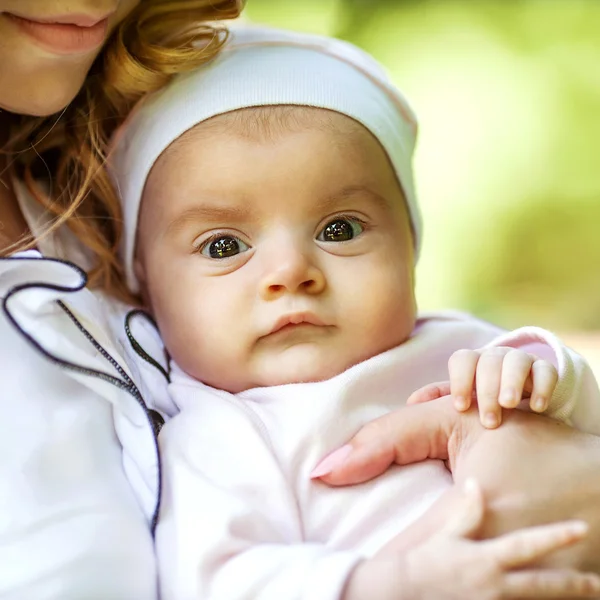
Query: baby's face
column 276, row 257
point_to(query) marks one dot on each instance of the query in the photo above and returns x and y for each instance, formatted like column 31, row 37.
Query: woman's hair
column 159, row 39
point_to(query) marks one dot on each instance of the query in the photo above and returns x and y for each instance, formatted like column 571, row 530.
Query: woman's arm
column 532, row 469
column 70, row 527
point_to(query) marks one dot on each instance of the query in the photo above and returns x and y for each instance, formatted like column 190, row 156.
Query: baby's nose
column 292, row 272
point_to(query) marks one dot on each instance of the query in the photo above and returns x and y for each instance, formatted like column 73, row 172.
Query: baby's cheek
column 390, row 316
column 188, row 349
column 175, row 322
column 204, row 340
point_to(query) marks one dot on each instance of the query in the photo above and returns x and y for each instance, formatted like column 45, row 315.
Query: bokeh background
column 508, row 161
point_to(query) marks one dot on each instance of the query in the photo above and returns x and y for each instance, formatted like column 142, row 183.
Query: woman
column 78, row 466
column 79, row 471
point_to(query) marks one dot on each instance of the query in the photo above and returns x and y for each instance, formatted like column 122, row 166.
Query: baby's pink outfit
column 241, row 518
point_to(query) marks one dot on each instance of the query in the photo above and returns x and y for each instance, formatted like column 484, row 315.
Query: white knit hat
column 260, row 67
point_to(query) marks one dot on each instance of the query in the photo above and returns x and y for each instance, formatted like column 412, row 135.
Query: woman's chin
column 50, row 93
column 35, row 107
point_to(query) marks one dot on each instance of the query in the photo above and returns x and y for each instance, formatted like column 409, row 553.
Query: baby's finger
column 461, row 368
column 430, row 392
column 521, row 548
column 516, row 367
column 545, row 378
column 551, row 583
column 489, row 370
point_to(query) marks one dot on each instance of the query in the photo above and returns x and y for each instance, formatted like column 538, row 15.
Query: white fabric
column 71, row 527
column 241, row 519
column 259, row 67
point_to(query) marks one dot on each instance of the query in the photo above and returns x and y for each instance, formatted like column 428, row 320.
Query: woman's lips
column 63, row 38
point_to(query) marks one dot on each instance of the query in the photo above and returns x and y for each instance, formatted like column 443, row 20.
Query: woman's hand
column 533, row 470
column 451, row 564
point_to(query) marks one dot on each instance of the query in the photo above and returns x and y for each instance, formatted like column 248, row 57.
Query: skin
column 35, row 81
column 523, row 485
column 499, row 377
column 12, row 223
column 452, row 564
column 215, row 315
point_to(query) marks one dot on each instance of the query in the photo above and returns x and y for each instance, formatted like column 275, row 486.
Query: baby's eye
column 340, row 230
column 223, row 246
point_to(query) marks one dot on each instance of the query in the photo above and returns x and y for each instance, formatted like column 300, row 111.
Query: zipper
column 137, row 347
column 126, row 384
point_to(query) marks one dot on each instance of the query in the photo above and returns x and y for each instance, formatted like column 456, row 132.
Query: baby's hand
column 452, row 565
column 501, row 377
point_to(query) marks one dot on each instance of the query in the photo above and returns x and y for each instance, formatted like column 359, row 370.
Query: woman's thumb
column 469, row 514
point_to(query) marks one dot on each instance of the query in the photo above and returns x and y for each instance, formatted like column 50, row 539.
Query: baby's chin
column 300, row 364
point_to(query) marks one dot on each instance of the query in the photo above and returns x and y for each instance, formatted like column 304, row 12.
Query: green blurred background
column 508, row 161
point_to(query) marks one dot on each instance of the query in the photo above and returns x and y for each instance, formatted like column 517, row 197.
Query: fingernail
column 491, row 420
column 331, row 461
column 460, row 403
column 539, row 405
column 579, row 527
column 508, row 399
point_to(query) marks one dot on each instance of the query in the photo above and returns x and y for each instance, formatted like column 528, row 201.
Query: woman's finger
column 545, row 378
column 550, row 583
column 407, row 435
column 462, row 366
column 489, row 370
column 521, row 548
column 469, row 516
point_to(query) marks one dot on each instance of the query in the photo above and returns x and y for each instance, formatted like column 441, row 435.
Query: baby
column 272, row 230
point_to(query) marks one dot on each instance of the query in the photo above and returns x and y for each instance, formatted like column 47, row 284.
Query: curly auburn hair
column 158, row 40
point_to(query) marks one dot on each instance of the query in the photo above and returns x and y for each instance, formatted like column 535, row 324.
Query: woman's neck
column 12, row 223
column 4, row 125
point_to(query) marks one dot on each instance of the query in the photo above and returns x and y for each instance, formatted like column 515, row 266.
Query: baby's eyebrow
column 334, row 200
column 207, row 213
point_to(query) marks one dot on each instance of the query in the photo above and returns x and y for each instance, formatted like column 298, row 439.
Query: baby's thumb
column 470, row 510
column 430, row 392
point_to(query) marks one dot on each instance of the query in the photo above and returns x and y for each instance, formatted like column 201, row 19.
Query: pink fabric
column 241, row 517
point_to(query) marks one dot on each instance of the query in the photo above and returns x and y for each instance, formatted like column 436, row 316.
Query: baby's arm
column 230, row 529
